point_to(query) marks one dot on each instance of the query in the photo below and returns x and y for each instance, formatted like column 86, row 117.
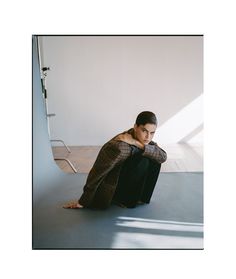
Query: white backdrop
column 98, row 84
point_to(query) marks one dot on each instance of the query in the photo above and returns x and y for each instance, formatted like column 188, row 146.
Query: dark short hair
column 146, row 117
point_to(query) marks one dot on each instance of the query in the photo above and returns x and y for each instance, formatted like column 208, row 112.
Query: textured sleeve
column 154, row 152
column 111, row 154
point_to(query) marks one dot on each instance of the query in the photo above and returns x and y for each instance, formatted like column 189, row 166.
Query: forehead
column 148, row 127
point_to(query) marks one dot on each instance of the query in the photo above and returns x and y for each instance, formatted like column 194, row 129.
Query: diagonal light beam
column 181, row 124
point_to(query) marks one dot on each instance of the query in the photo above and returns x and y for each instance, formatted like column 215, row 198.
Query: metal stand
column 68, row 161
column 56, row 140
column 48, row 115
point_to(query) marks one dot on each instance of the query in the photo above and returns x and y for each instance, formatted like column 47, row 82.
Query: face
column 145, row 133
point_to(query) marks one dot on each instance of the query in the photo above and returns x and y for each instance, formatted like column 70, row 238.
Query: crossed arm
column 130, row 140
column 151, row 150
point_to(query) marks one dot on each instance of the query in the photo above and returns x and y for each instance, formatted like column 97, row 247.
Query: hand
column 73, row 205
column 139, row 144
column 126, row 138
column 130, row 140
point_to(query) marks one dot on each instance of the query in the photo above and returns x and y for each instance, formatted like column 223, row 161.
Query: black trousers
column 137, row 181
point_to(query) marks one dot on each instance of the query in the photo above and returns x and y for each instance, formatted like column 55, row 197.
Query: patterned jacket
column 103, row 177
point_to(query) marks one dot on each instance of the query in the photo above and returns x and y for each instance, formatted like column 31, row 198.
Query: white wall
column 98, row 84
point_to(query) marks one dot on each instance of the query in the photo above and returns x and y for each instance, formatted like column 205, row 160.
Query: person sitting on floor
column 126, row 169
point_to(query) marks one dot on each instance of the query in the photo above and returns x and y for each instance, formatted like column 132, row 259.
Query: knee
column 136, row 163
column 154, row 165
column 143, row 163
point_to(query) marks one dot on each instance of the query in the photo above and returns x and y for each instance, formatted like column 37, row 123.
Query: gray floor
column 173, row 219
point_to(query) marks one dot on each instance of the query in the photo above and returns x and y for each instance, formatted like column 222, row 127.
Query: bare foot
column 73, row 205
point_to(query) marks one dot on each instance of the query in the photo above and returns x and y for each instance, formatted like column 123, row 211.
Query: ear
column 135, row 126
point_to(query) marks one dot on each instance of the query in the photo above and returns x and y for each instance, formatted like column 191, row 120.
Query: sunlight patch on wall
column 183, row 126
